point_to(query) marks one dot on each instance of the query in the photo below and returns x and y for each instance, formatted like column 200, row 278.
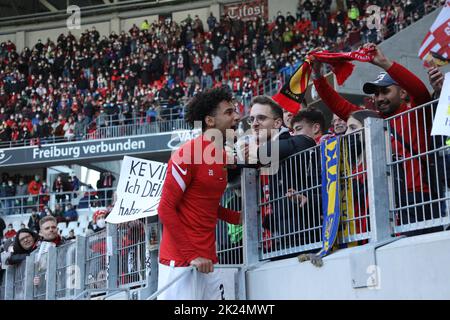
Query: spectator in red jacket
column 11, row 233
column 391, row 91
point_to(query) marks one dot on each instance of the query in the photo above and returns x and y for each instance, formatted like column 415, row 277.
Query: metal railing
column 131, row 253
column 290, row 223
column 113, row 131
column 40, row 276
column 229, row 243
column 96, row 261
column 81, row 199
column 19, row 281
column 66, row 271
column 290, row 201
column 292, row 198
column 418, row 170
column 355, row 224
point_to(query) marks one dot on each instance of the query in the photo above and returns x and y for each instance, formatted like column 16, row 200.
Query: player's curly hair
column 205, row 104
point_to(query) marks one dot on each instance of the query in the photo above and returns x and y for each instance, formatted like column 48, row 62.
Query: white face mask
column 101, row 223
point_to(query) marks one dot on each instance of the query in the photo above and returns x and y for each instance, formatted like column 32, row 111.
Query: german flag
column 438, row 60
column 293, row 92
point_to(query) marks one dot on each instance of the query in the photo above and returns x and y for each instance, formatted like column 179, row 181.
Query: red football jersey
column 189, row 208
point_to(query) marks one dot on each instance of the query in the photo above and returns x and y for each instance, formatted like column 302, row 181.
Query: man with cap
column 391, row 90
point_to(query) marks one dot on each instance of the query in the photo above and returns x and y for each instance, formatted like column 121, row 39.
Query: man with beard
column 391, row 90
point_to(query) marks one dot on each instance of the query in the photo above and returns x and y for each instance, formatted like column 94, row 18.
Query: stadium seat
column 16, row 225
column 83, row 223
column 72, row 225
column 65, row 232
column 62, row 225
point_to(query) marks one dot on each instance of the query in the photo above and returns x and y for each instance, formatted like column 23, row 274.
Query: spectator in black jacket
column 266, row 118
column 24, row 243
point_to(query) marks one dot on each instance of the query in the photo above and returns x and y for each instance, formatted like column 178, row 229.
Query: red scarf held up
column 340, row 61
column 293, row 92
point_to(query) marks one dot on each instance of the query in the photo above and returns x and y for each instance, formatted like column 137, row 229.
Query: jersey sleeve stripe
column 178, row 179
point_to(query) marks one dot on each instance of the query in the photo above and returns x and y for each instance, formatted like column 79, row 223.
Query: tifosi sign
column 247, row 10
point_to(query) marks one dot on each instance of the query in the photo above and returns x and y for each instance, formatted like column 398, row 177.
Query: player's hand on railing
column 203, row 265
column 379, row 59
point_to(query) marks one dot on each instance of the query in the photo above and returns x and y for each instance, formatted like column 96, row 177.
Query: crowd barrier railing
column 228, row 236
column 96, row 261
column 367, row 182
column 107, row 131
column 418, row 166
column 131, row 252
column 66, row 270
column 81, row 199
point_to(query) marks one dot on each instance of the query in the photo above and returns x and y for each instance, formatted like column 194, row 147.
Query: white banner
column 139, row 189
column 441, row 123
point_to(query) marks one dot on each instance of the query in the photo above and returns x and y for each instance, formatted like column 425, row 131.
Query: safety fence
column 106, row 131
column 418, row 172
column 282, row 211
column 131, row 253
column 96, row 261
column 228, row 236
column 66, row 271
column 18, row 275
column 290, row 200
column 81, row 199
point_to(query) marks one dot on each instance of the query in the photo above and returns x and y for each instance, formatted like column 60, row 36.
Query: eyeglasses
column 259, row 118
column 25, row 238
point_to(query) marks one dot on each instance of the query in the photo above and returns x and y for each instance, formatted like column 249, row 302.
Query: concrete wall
column 6, row 37
column 282, row 5
column 410, row 268
column 126, row 24
column 202, row 13
column 32, row 37
column 403, row 48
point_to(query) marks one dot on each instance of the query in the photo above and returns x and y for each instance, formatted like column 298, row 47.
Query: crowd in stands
column 68, row 88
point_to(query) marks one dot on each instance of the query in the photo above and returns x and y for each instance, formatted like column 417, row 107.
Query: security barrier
column 229, row 236
column 66, row 271
column 40, row 276
column 290, row 200
column 282, row 213
column 96, row 261
column 19, row 281
column 418, row 171
column 82, row 199
column 131, row 253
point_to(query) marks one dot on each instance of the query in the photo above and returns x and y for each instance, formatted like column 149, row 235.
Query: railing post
column 9, row 283
column 50, row 289
column 111, row 252
column 250, row 221
column 151, row 264
column 29, row 275
column 377, row 180
column 80, row 263
column 249, row 187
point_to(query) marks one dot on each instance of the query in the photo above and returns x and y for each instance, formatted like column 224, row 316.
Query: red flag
column 340, row 61
column 436, row 46
column 293, row 92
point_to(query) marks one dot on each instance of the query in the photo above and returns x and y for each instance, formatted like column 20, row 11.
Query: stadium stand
column 68, row 89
